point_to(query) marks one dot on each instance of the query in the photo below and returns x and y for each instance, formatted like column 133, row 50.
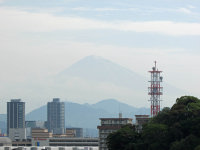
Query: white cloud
column 191, row 6
column 147, row 10
column 13, row 20
column 162, row 27
column 185, row 10
column 81, row 9
column 108, row 9
column 103, row 9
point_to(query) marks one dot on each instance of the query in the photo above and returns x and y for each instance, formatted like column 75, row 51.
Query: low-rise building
column 109, row 125
column 70, row 133
column 74, row 132
column 82, row 142
column 33, row 124
column 140, row 120
column 5, row 141
column 17, row 134
column 25, row 142
column 40, row 137
column 40, row 133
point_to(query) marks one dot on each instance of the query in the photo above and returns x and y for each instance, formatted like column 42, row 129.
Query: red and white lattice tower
column 155, row 90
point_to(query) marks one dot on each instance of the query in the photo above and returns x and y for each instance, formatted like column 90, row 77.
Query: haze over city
column 40, row 41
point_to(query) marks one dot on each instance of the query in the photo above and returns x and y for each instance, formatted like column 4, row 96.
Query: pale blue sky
column 40, row 38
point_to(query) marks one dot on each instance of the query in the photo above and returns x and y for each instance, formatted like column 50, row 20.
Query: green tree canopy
column 175, row 128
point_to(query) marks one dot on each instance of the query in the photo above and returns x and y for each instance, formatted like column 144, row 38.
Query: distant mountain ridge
column 95, row 76
column 119, row 107
column 3, row 123
column 75, row 112
column 90, row 79
column 87, row 115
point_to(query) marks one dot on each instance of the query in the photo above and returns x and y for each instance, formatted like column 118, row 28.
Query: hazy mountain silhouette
column 127, row 110
column 90, row 79
column 94, row 77
column 3, row 123
column 98, row 69
column 84, row 115
column 87, row 115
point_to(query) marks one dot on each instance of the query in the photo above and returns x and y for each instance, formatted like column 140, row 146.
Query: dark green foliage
column 188, row 143
column 177, row 128
column 158, row 132
column 123, row 138
column 197, row 148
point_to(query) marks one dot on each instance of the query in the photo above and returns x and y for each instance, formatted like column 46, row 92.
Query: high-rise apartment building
column 16, row 119
column 56, row 116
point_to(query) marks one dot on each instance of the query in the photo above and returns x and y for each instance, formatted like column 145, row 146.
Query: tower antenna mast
column 155, row 90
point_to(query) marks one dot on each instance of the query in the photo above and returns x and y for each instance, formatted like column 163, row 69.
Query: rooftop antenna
column 120, row 113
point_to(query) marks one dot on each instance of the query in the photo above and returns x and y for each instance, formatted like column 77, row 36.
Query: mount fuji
column 94, row 78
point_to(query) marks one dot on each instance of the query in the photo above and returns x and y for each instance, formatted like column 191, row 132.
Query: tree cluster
column 175, row 128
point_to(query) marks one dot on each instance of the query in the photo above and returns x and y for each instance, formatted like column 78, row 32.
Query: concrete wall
column 17, row 133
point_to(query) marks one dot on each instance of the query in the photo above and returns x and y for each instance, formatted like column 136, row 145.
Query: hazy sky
column 40, row 38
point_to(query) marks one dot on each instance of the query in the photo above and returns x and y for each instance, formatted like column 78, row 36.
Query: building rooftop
column 5, row 140
column 15, row 100
column 141, row 116
column 56, row 99
column 115, row 118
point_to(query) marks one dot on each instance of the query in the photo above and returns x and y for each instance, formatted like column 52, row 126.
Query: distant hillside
column 39, row 114
column 112, row 106
column 3, row 123
column 90, row 79
column 84, row 115
column 3, row 117
column 95, row 76
column 87, row 116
